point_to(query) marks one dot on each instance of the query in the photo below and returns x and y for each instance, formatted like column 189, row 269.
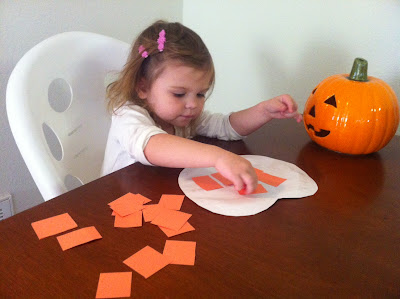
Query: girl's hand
column 238, row 170
column 282, row 106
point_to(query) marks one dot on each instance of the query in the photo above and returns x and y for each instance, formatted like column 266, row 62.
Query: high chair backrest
column 56, row 106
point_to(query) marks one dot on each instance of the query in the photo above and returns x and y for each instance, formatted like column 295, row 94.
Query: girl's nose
column 191, row 103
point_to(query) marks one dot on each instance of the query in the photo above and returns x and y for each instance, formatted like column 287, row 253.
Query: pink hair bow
column 161, row 40
column 143, row 52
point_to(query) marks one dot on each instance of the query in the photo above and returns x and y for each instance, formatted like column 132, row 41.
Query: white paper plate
column 227, row 201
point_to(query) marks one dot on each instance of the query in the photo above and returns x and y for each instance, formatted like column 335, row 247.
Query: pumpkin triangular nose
column 312, row 111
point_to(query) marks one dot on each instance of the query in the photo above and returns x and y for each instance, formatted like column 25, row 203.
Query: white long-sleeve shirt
column 132, row 127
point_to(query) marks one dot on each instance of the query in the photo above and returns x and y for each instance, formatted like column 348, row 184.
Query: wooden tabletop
column 344, row 241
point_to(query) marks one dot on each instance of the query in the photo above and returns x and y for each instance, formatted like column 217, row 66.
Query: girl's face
column 177, row 96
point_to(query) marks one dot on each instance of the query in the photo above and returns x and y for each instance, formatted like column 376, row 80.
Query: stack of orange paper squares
column 130, row 208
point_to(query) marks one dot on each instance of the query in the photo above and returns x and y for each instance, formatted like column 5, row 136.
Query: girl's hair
column 182, row 45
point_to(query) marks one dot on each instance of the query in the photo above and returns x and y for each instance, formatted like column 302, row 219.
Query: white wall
column 263, row 48
column 25, row 23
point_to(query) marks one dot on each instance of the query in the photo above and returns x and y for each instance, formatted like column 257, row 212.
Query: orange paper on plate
column 207, row 183
column 270, row 179
column 259, row 189
column 258, row 171
column 222, row 179
column 53, row 225
column 180, row 252
column 147, row 261
column 114, row 285
column 172, row 202
column 78, row 237
column 171, row 219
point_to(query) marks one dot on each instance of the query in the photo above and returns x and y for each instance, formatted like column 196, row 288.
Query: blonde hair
column 182, row 45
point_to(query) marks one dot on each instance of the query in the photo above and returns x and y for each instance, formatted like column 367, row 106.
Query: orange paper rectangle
column 207, row 183
column 53, row 225
column 78, row 237
column 270, row 179
column 114, row 285
column 222, row 179
column 180, row 252
column 147, row 261
column 171, row 219
column 260, row 189
column 258, row 171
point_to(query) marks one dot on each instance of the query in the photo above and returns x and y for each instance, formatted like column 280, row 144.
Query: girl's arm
column 172, row 151
column 249, row 120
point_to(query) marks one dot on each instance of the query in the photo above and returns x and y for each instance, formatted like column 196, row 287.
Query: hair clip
column 143, row 52
column 161, row 40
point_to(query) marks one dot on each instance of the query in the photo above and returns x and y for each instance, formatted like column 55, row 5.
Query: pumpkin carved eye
column 331, row 101
column 312, row 111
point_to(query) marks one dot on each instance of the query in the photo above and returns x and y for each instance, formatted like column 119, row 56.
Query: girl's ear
column 141, row 89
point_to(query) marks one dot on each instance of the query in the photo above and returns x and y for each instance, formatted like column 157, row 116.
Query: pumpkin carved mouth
column 320, row 133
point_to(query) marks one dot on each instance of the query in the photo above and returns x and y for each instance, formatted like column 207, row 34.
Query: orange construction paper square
column 126, row 207
column 180, row 252
column 172, row 202
column 207, row 183
column 270, row 179
column 222, row 179
column 131, row 220
column 147, row 261
column 114, row 285
column 78, row 237
column 171, row 219
column 127, row 204
column 144, row 199
column 187, row 227
column 127, row 196
column 53, row 225
column 151, row 211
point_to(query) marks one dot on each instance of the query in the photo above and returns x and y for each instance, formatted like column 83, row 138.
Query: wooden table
column 344, row 241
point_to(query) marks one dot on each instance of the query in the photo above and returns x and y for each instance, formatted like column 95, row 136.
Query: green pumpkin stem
column 359, row 71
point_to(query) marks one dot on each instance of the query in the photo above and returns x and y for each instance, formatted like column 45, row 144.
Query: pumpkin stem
column 359, row 71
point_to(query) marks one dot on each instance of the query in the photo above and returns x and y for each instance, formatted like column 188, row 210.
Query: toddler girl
column 157, row 105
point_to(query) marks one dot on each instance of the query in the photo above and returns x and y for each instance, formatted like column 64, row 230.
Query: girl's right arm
column 176, row 152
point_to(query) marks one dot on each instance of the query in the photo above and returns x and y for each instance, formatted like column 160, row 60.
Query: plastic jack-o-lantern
column 352, row 113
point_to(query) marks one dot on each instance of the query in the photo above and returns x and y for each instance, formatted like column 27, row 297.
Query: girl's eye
column 179, row 95
column 201, row 95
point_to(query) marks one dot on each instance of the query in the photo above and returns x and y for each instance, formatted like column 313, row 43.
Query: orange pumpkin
column 352, row 113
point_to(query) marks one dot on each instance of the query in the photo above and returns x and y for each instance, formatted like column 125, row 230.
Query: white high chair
column 56, row 107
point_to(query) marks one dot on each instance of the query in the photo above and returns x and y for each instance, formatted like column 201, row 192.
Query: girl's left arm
column 247, row 121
